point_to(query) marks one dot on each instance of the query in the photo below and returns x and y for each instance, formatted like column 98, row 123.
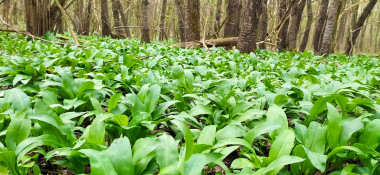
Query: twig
column 219, row 28
column 67, row 22
column 33, row 36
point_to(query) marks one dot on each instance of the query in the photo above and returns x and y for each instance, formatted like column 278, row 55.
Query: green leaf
column 143, row 152
column 18, row 130
column 260, row 129
column 17, row 98
column 162, row 108
column 166, row 151
column 277, row 115
column 318, row 160
column 334, row 126
column 315, row 138
column 282, row 146
column 112, row 103
column 152, row 97
column 189, row 140
column 207, row 135
column 350, row 126
column 241, row 163
column 371, row 134
column 276, row 165
column 121, row 120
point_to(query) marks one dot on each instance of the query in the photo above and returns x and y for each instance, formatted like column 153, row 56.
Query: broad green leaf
column 318, row 160
column 207, row 135
column 189, row 140
column 259, row 130
column 371, row 134
column 18, row 130
column 334, row 126
column 350, row 126
column 275, row 167
column 112, row 103
column 166, row 151
column 282, row 146
column 17, row 98
column 315, row 138
column 277, row 115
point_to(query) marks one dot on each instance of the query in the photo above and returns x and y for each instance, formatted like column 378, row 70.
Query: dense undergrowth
column 123, row 107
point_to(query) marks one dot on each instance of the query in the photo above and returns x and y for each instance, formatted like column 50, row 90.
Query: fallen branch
column 11, row 29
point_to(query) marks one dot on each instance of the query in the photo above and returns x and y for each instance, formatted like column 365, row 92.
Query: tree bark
column 327, row 36
column 335, row 28
column 217, row 16
column 233, row 18
column 181, row 19
column 248, row 33
column 116, row 18
column 293, row 28
column 264, row 23
column 145, row 36
column 342, row 28
column 82, row 17
column 106, row 28
column 366, row 11
column 37, row 17
column 124, row 18
column 284, row 20
column 322, row 15
column 192, row 20
column 162, row 23
column 305, row 39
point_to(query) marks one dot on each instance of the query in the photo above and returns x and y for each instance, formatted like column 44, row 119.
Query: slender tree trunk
column 327, row 36
column 264, row 23
column 248, row 34
column 233, row 21
column 342, row 28
column 145, row 36
column 162, row 23
column 305, row 39
column 106, row 28
column 192, row 20
column 300, row 9
column 124, row 18
column 319, row 25
column 37, row 17
column 366, row 11
column 116, row 18
column 335, row 28
column 181, row 19
column 217, row 16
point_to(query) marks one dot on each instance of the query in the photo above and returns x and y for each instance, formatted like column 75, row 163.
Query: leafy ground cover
column 123, row 107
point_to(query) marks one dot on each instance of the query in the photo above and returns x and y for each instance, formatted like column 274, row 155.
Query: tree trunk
column 124, row 19
column 162, row 23
column 82, row 17
column 264, row 23
column 366, row 11
column 326, row 42
column 292, row 31
column 342, row 28
column 322, row 15
column 116, row 18
column 248, row 33
column 233, row 18
column 192, row 20
column 37, row 17
column 284, row 20
column 217, row 16
column 305, row 39
column 106, row 28
column 300, row 9
column 181, row 18
column 335, row 28
column 145, row 36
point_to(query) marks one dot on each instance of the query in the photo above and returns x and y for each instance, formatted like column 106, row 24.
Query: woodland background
column 322, row 26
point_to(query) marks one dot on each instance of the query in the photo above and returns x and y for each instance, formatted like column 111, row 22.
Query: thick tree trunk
column 319, row 25
column 181, row 19
column 37, row 17
column 264, row 23
column 326, row 42
column 219, row 42
column 300, row 9
column 145, row 36
column 124, row 18
column 248, row 33
column 116, row 18
column 162, row 23
column 233, row 22
column 106, row 28
column 366, row 11
column 292, row 31
column 305, row 39
column 342, row 28
column 284, row 20
column 217, row 16
column 192, row 20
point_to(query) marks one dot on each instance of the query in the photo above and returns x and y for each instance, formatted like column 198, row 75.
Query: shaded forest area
column 322, row 26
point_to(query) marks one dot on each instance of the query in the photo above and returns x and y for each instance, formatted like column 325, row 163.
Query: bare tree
column 248, row 33
column 116, row 18
column 359, row 25
column 293, row 24
column 83, row 17
column 162, row 23
column 145, row 36
column 217, row 16
column 192, row 20
column 342, row 27
column 326, row 42
column 284, row 24
column 106, row 28
column 319, row 25
column 233, row 21
column 124, row 18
